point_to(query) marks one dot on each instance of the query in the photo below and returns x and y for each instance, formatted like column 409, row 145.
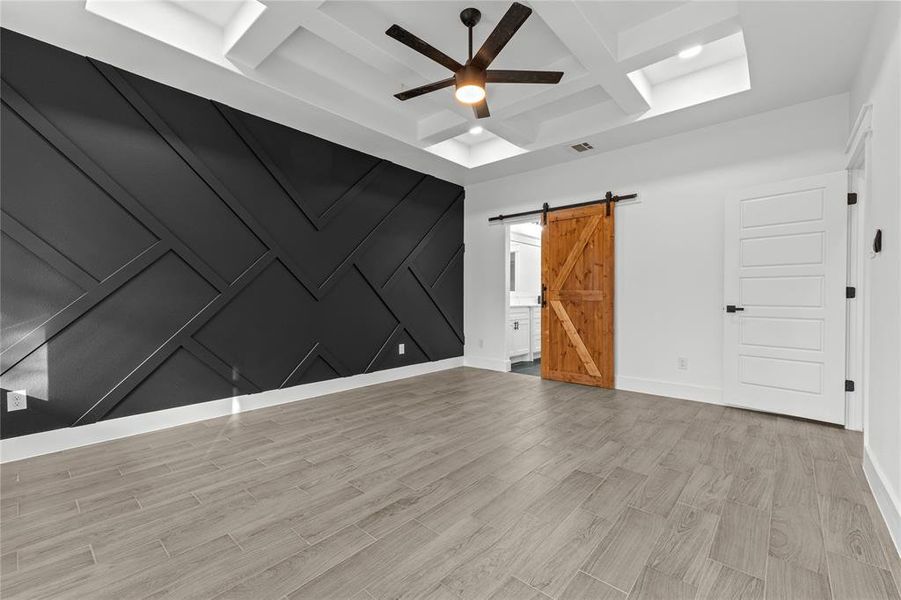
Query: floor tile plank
column 719, row 582
column 681, row 551
column 789, row 581
column 741, row 539
column 621, row 555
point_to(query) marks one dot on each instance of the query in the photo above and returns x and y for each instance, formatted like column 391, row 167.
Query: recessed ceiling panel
column 712, row 54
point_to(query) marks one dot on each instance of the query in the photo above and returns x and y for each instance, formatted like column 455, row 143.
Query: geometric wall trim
column 159, row 249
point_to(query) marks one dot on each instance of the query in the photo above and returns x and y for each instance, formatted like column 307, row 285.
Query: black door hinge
column 852, row 198
column 849, row 385
column 850, row 292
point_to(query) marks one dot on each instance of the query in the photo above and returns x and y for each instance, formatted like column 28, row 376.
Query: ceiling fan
column 470, row 78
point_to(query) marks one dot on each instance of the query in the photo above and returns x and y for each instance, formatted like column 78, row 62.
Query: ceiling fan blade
column 481, row 109
column 425, row 89
column 501, row 76
column 408, row 39
column 508, row 25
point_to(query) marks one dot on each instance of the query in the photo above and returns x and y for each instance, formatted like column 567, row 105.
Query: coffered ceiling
column 327, row 67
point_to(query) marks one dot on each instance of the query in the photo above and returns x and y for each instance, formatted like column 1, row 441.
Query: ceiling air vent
column 582, row 147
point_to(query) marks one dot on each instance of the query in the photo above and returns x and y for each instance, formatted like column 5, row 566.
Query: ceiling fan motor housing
column 470, row 75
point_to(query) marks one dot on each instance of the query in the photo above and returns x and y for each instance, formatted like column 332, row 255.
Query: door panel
column 785, row 259
column 577, row 315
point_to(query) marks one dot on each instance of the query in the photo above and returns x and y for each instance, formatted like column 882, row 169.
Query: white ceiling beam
column 240, row 22
column 574, row 30
column 582, row 125
column 520, row 132
column 253, row 35
column 441, row 126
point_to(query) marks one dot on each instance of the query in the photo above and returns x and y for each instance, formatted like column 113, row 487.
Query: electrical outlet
column 682, row 363
column 17, row 400
column 400, row 348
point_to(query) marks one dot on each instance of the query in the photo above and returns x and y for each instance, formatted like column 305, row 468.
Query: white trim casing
column 73, row 437
column 857, row 158
column 889, row 504
column 862, row 127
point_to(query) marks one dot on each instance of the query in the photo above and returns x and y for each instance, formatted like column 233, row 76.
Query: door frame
column 857, row 156
column 508, row 365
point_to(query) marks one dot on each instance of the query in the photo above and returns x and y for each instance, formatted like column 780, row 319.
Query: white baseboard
column 698, row 393
column 886, row 499
column 487, row 362
column 683, row 391
column 72, row 437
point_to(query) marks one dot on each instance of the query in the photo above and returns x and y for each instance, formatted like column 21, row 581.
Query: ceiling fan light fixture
column 470, row 94
column 470, row 84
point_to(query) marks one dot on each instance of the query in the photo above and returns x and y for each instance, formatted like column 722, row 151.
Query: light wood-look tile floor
column 459, row 484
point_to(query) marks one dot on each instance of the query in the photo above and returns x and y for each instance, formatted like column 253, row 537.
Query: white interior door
column 785, row 267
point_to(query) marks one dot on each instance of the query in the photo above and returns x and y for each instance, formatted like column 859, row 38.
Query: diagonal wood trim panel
column 160, row 249
column 575, row 338
column 576, row 252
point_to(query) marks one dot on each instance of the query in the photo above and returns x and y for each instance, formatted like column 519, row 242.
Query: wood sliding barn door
column 577, row 313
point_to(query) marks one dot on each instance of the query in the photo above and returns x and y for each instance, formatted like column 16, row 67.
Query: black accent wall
column 158, row 249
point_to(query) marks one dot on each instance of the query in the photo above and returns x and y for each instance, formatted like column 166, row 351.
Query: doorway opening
column 524, row 298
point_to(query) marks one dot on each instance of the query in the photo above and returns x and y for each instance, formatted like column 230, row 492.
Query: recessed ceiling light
column 690, row 52
column 476, row 130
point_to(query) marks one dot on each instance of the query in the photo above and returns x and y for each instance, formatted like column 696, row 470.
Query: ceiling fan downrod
column 470, row 18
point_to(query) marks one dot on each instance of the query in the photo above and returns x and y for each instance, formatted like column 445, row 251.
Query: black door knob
column 731, row 308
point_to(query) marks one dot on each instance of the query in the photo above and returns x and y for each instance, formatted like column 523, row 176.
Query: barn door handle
column 731, row 308
column 543, row 294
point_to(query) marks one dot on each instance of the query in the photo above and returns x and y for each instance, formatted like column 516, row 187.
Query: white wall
column 879, row 83
column 669, row 272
